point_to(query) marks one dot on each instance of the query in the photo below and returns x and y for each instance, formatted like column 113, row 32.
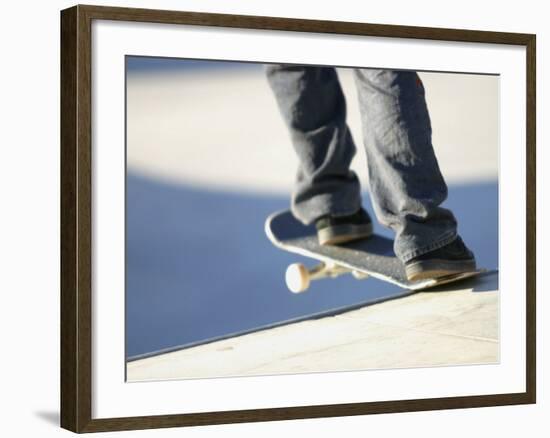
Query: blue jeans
column 407, row 187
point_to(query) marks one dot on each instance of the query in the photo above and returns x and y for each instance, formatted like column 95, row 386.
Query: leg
column 407, row 187
column 314, row 109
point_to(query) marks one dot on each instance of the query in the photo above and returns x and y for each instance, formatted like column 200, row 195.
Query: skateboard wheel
column 297, row 278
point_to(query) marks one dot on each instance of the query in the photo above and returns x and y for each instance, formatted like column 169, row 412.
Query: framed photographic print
column 269, row 218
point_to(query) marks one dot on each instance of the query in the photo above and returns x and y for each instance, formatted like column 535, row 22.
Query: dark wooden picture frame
column 76, row 218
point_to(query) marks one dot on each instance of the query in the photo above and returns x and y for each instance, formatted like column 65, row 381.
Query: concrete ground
column 452, row 325
column 206, row 145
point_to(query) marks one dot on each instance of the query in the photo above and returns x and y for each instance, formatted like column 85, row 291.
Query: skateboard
column 371, row 257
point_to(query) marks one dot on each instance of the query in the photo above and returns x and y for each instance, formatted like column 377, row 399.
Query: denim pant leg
column 314, row 110
column 407, row 187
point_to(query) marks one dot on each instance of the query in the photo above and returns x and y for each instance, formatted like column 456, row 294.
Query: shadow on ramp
column 199, row 266
column 486, row 282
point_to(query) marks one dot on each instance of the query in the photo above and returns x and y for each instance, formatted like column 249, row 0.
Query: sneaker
column 332, row 230
column 453, row 258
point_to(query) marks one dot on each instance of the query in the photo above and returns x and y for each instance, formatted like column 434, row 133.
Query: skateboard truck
column 298, row 276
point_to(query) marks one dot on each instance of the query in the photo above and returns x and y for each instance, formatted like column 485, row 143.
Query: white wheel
column 297, row 278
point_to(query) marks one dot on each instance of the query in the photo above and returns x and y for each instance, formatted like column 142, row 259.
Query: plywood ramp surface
column 452, row 325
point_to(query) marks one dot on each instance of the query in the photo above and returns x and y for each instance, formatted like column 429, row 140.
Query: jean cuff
column 309, row 211
column 439, row 243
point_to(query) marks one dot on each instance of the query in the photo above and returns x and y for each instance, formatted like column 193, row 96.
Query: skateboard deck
column 368, row 257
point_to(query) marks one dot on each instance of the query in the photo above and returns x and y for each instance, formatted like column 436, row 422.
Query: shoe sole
column 344, row 233
column 432, row 269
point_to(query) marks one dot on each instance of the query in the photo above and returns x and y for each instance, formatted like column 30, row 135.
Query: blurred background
column 209, row 158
